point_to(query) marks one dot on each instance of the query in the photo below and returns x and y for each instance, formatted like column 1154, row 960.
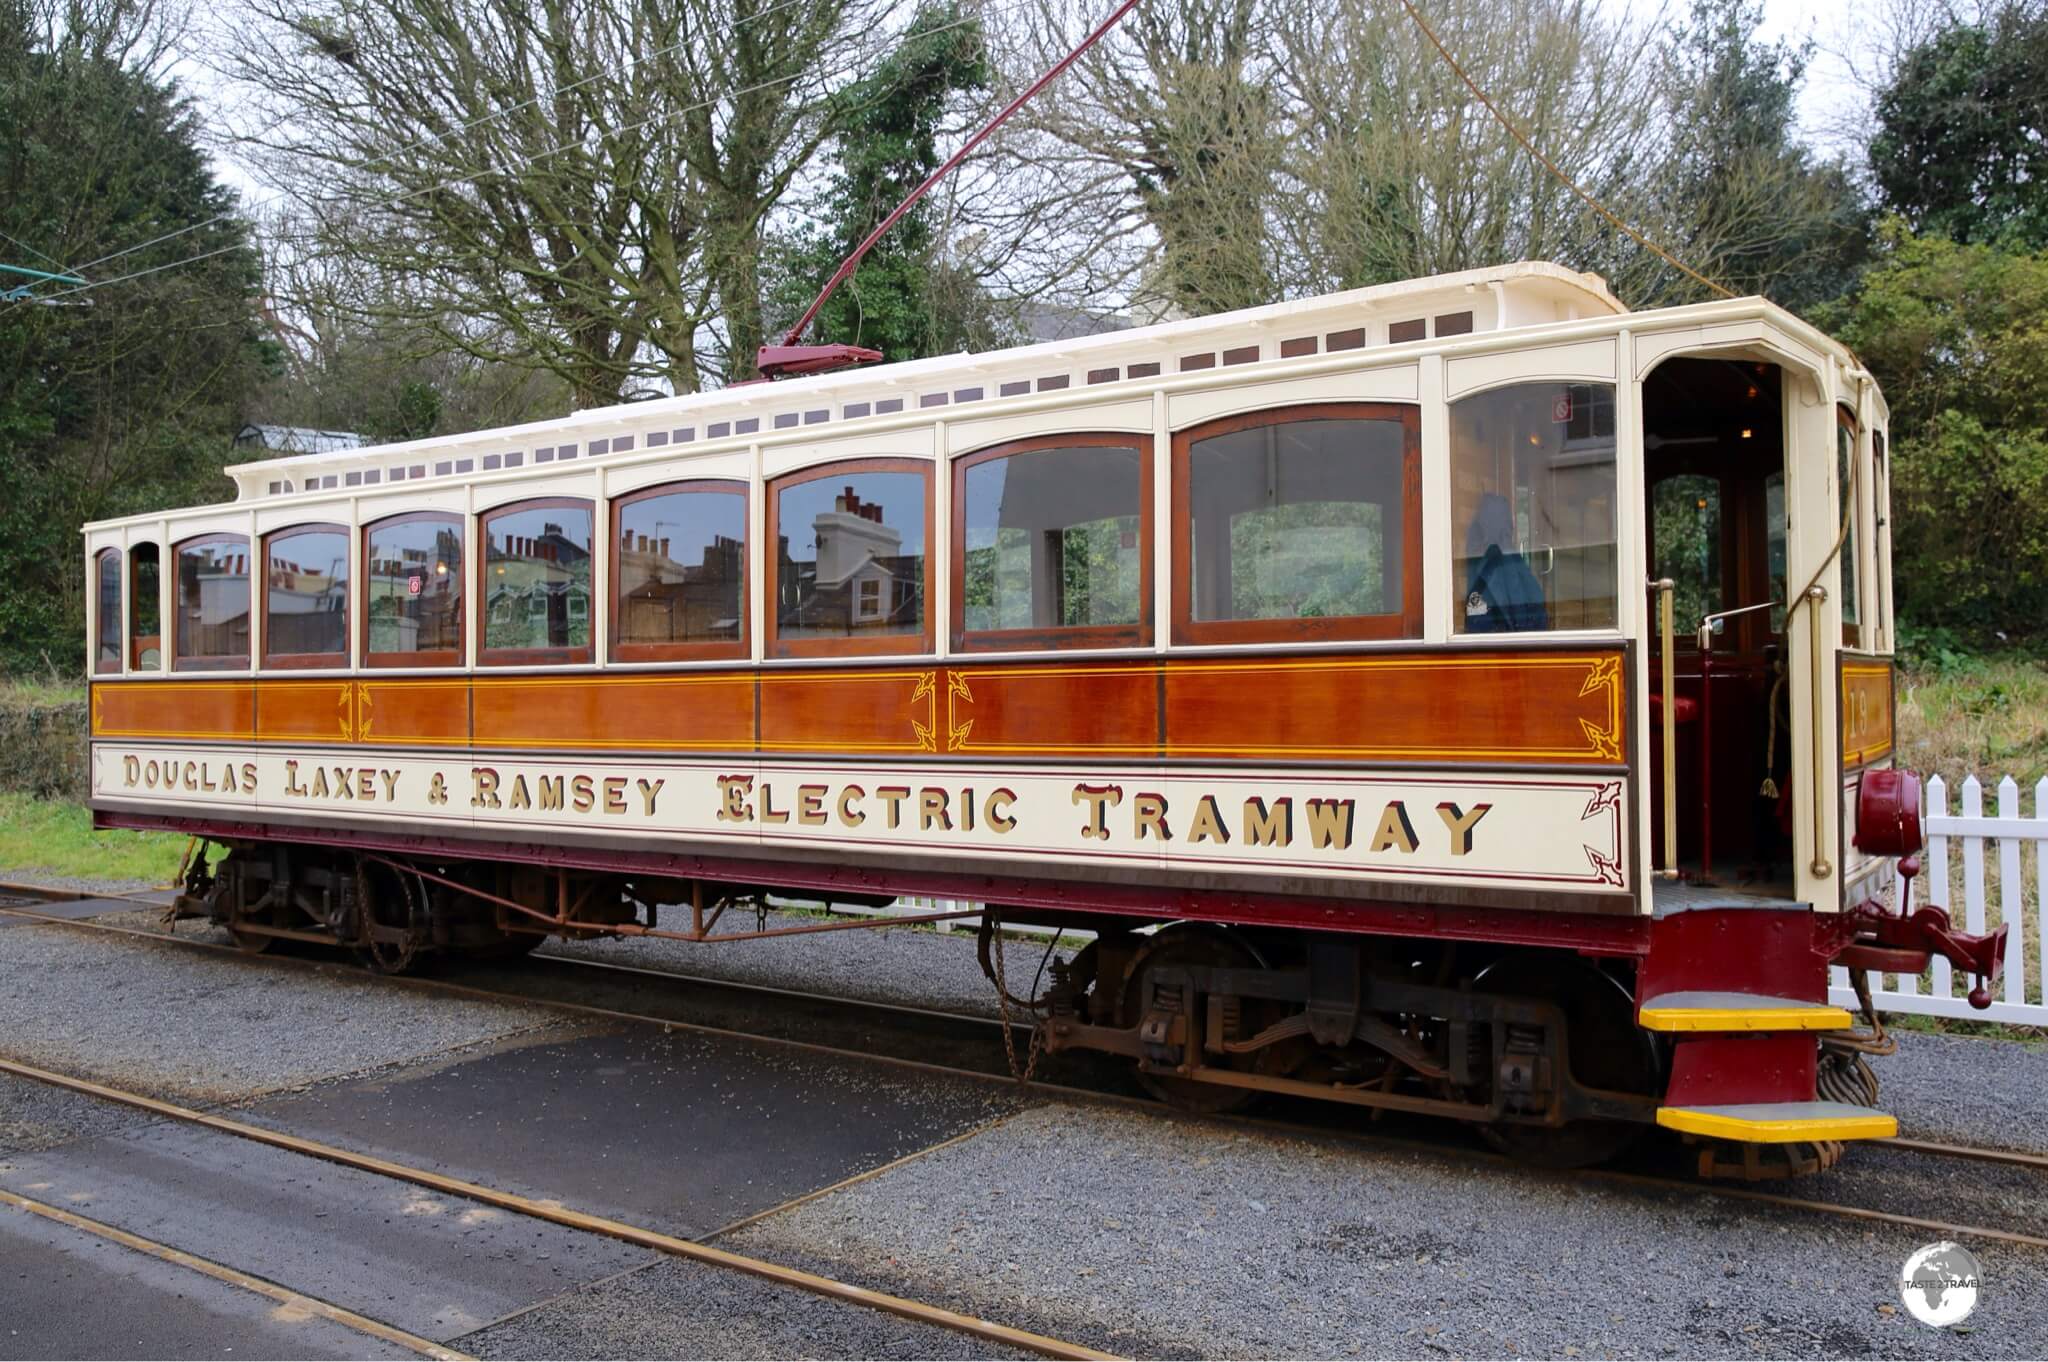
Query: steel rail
column 221, row 1272
column 554, row 1213
column 1090, row 1096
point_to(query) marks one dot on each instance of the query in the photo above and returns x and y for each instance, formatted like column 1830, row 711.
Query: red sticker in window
column 1561, row 409
column 413, row 585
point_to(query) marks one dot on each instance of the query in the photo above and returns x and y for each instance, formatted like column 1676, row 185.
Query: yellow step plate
column 1781, row 1122
column 1739, row 1012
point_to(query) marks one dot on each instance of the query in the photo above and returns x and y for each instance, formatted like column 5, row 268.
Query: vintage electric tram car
column 1464, row 696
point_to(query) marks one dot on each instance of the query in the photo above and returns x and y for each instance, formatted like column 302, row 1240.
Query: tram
column 1462, row 696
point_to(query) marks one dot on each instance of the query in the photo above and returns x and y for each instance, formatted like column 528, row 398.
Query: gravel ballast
column 1967, row 1090
column 1158, row 1236
column 681, row 1309
column 196, row 1027
column 908, row 966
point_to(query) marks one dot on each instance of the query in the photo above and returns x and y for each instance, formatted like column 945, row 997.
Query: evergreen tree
column 1746, row 199
column 911, row 295
column 1962, row 140
column 125, row 396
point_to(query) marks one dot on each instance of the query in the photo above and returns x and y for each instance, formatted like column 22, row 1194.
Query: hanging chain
column 1024, row 1074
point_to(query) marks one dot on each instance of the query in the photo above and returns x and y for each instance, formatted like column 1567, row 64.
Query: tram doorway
column 1714, row 487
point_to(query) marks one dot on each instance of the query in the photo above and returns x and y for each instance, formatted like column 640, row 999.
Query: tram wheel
column 251, row 943
column 1604, row 1048
column 394, row 909
column 1182, row 945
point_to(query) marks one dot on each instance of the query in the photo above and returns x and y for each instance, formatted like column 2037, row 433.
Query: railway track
column 987, row 1038
column 553, row 1212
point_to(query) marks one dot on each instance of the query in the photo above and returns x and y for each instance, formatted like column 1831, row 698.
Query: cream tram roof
column 1529, row 294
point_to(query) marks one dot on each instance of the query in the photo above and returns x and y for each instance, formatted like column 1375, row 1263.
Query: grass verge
column 1981, row 715
column 52, row 837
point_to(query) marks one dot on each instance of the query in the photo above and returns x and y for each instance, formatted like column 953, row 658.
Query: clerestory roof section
column 1525, row 294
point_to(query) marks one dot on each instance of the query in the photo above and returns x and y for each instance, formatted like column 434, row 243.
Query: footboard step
column 1781, row 1122
column 1705, row 1011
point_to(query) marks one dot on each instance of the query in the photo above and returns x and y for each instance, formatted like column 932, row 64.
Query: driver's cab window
column 1533, row 506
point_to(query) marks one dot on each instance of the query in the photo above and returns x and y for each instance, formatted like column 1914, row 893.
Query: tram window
column 1685, row 514
column 412, row 591
column 679, row 559
column 1533, row 508
column 106, row 615
column 1052, row 544
column 849, row 571
column 145, row 606
column 210, row 631
column 536, row 582
column 1849, row 505
column 305, row 604
column 1298, row 524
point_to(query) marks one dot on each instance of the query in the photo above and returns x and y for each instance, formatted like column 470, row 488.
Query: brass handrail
column 1665, row 587
column 1823, row 785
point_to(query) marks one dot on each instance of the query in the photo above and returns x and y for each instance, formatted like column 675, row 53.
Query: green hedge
column 43, row 748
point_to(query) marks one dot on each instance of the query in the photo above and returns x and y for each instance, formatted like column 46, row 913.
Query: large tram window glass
column 145, row 606
column 1052, row 545
column 412, row 591
column 1685, row 511
column 679, row 559
column 1849, row 505
column 1298, row 524
column 536, row 582
column 305, row 607
column 211, row 629
column 106, row 615
column 848, row 574
column 1533, row 508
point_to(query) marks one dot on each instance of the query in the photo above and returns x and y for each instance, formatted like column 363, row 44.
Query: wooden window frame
column 208, row 664
column 297, row 661
column 879, row 645
column 487, row 656
column 1137, row 635
column 434, row 658
column 134, row 641
column 710, row 649
column 1404, row 624
column 99, row 623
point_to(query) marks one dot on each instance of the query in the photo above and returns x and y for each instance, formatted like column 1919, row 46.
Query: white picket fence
column 2014, row 851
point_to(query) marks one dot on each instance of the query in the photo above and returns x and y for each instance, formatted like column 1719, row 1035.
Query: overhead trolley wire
column 1558, row 173
column 501, row 169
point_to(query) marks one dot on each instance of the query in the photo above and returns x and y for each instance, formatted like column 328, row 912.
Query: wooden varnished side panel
column 1550, row 708
column 823, row 712
column 1057, row 710
column 1504, row 708
column 1866, row 711
column 412, row 711
column 306, row 711
column 689, row 712
column 209, row 710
